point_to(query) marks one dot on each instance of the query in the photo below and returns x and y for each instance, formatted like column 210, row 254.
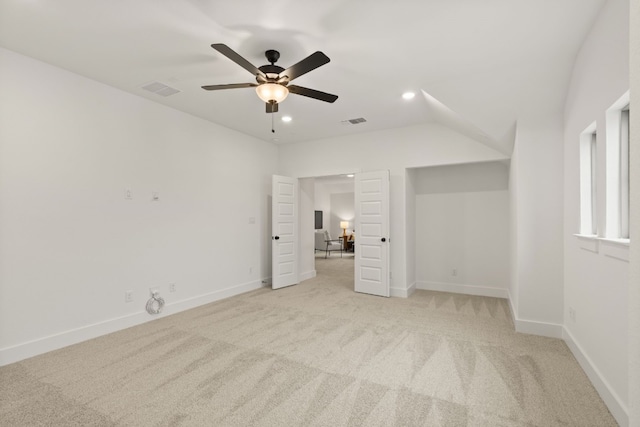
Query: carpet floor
column 315, row 354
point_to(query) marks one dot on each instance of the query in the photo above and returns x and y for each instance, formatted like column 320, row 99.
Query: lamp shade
column 272, row 92
column 344, row 224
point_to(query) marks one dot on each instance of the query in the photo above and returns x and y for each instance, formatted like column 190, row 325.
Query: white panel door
column 372, row 233
column 284, row 232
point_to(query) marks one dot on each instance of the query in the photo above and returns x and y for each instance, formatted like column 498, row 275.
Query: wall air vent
column 160, row 89
column 354, row 121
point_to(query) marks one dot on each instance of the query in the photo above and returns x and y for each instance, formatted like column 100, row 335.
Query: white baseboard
column 63, row 339
column 402, row 293
column 511, row 308
column 307, row 275
column 610, row 398
column 533, row 327
column 617, row 408
column 463, row 289
column 412, row 289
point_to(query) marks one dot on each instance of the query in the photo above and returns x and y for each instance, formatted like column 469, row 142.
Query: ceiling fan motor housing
column 272, row 56
column 271, row 71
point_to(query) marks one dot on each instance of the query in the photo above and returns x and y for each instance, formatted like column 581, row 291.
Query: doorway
column 366, row 208
column 334, row 200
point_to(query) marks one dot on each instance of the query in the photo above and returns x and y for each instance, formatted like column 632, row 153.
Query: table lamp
column 344, row 225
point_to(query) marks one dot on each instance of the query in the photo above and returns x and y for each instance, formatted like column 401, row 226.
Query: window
column 624, row 173
column 592, row 169
column 617, row 150
column 588, row 182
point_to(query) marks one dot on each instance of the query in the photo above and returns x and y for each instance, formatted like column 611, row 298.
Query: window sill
column 612, row 248
column 587, row 236
column 618, row 242
column 588, row 242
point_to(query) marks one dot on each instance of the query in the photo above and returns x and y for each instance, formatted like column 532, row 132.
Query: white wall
column 334, row 211
column 634, row 276
column 342, row 209
column 322, row 202
column 536, row 224
column 595, row 275
column 394, row 150
column 324, row 188
column 537, row 169
column 513, row 227
column 72, row 245
column 462, row 229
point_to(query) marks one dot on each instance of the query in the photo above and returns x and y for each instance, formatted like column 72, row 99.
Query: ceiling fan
column 272, row 80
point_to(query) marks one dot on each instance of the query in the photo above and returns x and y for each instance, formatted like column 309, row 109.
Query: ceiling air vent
column 354, row 121
column 160, row 89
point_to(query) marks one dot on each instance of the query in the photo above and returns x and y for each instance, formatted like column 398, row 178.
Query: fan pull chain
column 272, row 129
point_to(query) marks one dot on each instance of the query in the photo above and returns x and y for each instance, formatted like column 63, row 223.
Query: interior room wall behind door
column 322, row 202
column 334, row 211
column 342, row 209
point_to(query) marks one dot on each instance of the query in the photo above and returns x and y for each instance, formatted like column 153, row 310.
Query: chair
column 329, row 244
column 319, row 244
column 348, row 242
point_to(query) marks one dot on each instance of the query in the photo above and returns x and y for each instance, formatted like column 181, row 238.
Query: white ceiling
column 475, row 65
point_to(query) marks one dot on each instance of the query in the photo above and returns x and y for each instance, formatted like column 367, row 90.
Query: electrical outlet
column 572, row 314
column 128, row 194
column 172, row 287
column 250, row 270
column 128, row 296
column 454, row 272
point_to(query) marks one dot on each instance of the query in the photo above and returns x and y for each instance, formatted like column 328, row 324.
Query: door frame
column 349, row 172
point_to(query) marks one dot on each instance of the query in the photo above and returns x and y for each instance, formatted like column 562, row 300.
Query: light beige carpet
column 316, row 354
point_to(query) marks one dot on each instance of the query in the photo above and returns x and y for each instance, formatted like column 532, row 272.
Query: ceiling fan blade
column 272, row 107
column 229, row 86
column 309, row 63
column 311, row 93
column 235, row 57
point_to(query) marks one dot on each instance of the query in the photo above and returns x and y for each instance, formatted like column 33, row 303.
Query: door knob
column 383, row 240
column 277, row 238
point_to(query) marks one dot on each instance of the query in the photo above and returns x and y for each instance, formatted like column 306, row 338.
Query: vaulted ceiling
column 475, row 65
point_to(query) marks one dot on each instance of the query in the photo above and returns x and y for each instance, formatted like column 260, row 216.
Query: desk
column 347, row 244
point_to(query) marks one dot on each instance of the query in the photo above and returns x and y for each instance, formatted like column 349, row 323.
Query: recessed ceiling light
column 408, row 95
column 286, row 118
column 350, row 175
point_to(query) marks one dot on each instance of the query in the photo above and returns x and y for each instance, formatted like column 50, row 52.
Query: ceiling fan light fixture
column 269, row 92
column 272, row 81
